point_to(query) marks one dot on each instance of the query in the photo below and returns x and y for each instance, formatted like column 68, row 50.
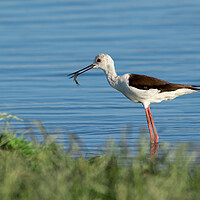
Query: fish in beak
column 81, row 71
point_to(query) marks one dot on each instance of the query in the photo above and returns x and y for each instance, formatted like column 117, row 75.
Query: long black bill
column 72, row 75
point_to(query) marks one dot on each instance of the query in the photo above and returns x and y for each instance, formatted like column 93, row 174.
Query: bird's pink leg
column 153, row 150
column 153, row 125
column 149, row 125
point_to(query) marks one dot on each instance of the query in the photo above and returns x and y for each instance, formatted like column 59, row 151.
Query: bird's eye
column 98, row 60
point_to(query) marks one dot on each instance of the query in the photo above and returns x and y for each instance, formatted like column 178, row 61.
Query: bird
column 139, row 88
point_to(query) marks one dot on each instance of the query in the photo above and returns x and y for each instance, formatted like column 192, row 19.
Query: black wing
column 144, row 82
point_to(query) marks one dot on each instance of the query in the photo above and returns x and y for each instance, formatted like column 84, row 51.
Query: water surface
column 43, row 41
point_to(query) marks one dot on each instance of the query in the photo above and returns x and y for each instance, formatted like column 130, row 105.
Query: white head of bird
column 101, row 61
column 106, row 63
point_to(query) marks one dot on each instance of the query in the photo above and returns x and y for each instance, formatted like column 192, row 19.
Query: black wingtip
column 196, row 87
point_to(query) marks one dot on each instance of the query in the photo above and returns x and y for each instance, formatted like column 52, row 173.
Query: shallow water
column 43, row 41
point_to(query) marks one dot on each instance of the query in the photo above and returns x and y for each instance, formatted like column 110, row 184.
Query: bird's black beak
column 75, row 74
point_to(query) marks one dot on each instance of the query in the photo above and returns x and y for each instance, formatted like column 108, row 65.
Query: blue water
column 44, row 40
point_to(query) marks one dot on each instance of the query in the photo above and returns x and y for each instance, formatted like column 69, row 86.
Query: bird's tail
column 195, row 87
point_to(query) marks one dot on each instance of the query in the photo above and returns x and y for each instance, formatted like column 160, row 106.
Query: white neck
column 111, row 75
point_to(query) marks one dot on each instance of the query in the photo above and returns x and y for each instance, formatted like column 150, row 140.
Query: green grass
column 45, row 171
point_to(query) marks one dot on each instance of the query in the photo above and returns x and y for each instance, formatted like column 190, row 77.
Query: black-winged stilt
column 139, row 88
